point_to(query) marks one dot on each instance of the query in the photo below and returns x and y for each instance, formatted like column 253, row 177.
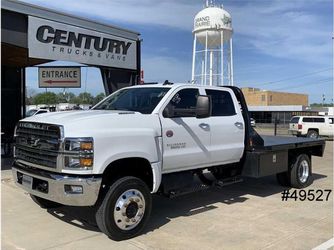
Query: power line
column 294, row 77
column 326, row 80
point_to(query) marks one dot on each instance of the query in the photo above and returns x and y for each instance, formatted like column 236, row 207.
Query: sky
column 283, row 45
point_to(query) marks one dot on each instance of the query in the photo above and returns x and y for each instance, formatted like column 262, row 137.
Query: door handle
column 204, row 125
column 239, row 125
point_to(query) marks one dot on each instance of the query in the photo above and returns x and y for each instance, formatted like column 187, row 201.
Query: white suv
column 311, row 126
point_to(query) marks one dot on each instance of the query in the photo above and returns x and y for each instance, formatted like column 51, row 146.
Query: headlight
column 79, row 153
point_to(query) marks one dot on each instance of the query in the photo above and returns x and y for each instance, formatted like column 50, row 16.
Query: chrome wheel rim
column 313, row 135
column 129, row 209
column 303, row 172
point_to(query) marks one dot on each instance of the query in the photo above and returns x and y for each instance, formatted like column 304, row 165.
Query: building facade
column 258, row 97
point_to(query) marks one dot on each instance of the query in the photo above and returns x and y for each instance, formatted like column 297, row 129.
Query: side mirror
column 168, row 112
column 203, row 106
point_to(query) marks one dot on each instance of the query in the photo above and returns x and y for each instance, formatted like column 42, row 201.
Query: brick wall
column 257, row 97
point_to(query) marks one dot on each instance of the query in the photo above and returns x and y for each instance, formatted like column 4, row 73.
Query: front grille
column 37, row 143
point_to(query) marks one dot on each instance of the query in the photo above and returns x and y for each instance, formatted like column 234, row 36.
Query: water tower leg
column 193, row 66
column 231, row 62
column 202, row 73
column 206, row 57
column 222, row 58
column 211, row 66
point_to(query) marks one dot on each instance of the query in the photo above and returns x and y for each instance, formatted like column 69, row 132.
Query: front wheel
column 125, row 209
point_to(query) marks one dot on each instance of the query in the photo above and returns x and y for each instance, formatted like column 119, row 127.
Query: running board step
column 191, row 189
column 224, row 183
column 201, row 186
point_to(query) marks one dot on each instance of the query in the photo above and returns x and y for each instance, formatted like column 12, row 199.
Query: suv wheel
column 312, row 134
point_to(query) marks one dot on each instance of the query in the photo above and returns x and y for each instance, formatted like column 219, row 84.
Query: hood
column 67, row 117
column 85, row 123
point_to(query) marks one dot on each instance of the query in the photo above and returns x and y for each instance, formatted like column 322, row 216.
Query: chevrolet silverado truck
column 168, row 139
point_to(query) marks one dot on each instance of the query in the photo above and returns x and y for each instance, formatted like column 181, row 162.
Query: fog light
column 73, row 189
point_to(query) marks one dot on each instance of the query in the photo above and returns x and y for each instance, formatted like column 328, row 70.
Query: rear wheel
column 125, row 209
column 43, row 203
column 301, row 172
column 312, row 134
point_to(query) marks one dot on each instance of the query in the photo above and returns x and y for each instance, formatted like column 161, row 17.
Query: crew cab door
column 185, row 138
column 227, row 127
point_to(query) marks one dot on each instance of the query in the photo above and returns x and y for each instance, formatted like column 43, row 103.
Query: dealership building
column 32, row 35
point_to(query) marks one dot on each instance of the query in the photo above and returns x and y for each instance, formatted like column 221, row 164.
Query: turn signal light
column 86, row 162
column 300, row 126
column 86, row 146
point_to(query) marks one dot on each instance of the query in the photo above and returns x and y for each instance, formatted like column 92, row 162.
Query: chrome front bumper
column 56, row 182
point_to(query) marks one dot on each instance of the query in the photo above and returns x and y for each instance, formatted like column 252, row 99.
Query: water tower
column 212, row 52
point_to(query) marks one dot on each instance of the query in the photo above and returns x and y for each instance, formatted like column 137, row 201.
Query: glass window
column 222, row 103
column 263, row 98
column 142, row 100
column 331, row 120
column 184, row 103
column 295, row 119
column 321, row 120
column 307, row 119
column 41, row 112
column 31, row 112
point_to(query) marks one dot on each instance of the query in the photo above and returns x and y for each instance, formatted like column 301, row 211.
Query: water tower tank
column 214, row 21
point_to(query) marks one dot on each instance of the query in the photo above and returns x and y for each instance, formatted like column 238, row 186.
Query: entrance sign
column 59, row 77
column 58, row 41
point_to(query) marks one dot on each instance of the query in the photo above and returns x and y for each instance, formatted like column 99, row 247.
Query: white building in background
column 212, row 49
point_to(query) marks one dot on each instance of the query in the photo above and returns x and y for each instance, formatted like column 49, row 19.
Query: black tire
column 43, row 203
column 283, row 179
column 301, row 172
column 106, row 209
column 312, row 134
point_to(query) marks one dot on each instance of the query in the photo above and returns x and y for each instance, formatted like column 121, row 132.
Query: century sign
column 58, row 41
column 59, row 77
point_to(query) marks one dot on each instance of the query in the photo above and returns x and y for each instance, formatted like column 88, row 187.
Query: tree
column 45, row 98
column 85, row 98
column 99, row 98
column 66, row 97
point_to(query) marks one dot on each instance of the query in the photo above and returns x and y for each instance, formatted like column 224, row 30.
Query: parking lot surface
column 247, row 215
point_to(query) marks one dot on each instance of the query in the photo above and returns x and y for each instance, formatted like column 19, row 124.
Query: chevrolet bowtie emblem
column 34, row 142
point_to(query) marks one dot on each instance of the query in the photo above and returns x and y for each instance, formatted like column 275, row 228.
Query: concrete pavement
column 248, row 215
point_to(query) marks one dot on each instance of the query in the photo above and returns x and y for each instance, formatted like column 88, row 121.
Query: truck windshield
column 142, row 100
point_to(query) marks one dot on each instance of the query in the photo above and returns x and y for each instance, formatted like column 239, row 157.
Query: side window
column 184, row 102
column 307, row 119
column 222, row 103
column 295, row 120
column 331, row 120
column 321, row 120
column 263, row 98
